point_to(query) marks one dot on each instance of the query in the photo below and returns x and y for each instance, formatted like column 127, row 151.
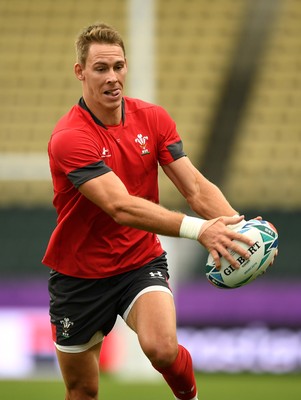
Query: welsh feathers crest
column 142, row 141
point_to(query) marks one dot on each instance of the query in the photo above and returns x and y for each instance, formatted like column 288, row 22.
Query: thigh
column 153, row 318
column 80, row 371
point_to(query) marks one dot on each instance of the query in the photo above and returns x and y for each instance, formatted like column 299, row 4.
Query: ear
column 78, row 70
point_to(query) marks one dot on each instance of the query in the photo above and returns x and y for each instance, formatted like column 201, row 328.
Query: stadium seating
column 37, row 81
column 265, row 168
column 195, row 42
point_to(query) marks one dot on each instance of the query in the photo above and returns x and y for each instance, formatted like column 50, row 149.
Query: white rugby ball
column 265, row 238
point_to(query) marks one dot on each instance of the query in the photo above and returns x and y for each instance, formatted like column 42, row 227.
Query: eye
column 100, row 68
column 119, row 67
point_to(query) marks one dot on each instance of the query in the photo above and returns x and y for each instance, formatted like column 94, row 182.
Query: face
column 103, row 79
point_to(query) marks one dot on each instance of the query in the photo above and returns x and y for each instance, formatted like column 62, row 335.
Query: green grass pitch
column 211, row 387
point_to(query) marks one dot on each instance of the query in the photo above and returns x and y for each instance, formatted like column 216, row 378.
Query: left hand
column 220, row 240
column 241, row 223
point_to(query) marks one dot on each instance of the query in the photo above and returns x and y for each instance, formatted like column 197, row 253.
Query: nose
column 111, row 78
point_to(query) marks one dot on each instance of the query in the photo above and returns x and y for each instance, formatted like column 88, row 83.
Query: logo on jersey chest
column 105, row 153
column 142, row 142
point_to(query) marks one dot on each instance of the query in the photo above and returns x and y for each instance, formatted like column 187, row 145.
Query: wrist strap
column 191, row 227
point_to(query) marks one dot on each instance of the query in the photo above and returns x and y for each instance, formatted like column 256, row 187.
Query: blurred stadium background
column 228, row 72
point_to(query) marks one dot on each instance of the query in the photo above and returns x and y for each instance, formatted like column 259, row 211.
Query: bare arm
column 208, row 201
column 203, row 196
column 110, row 194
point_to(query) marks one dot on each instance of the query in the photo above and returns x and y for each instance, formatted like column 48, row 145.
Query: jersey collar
column 83, row 105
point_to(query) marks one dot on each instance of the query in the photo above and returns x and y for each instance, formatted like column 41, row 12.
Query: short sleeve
column 77, row 155
column 170, row 143
column 72, row 149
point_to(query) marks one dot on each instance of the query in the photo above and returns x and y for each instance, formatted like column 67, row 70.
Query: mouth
column 113, row 93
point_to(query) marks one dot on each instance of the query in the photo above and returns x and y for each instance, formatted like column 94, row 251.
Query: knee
column 161, row 352
column 82, row 392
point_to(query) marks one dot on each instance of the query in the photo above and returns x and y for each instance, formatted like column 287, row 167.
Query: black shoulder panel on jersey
column 84, row 174
column 176, row 150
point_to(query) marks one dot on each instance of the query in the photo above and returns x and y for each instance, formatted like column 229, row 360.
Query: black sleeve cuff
column 176, row 150
column 84, row 174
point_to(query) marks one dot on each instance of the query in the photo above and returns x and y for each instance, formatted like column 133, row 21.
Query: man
column 105, row 256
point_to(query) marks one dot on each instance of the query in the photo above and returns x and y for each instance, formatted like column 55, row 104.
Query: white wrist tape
column 191, row 227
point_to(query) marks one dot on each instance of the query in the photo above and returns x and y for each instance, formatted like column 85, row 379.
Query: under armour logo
column 105, row 153
column 157, row 274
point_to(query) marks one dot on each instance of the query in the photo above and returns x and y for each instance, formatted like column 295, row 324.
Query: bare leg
column 153, row 318
column 80, row 373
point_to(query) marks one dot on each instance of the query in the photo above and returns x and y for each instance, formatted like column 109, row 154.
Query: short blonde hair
column 96, row 33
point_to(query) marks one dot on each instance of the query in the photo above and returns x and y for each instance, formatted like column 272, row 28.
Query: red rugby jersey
column 87, row 242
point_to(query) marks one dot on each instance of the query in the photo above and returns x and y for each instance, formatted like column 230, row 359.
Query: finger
column 231, row 256
column 239, row 237
column 216, row 258
column 233, row 252
column 235, row 247
column 232, row 220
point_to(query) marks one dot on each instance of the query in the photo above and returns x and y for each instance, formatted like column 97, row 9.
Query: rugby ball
column 265, row 238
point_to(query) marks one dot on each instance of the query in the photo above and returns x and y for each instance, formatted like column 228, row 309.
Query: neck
column 105, row 118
